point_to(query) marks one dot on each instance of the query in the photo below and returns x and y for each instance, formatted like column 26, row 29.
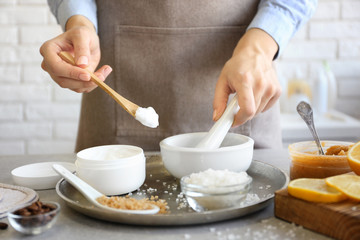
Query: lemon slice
column 353, row 156
column 314, row 190
column 347, row 184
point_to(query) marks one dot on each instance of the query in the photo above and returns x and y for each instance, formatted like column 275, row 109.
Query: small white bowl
column 181, row 158
column 112, row 169
column 39, row 176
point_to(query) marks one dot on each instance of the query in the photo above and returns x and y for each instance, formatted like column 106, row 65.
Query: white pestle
column 217, row 133
column 92, row 194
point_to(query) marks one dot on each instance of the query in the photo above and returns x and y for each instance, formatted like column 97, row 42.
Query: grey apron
column 167, row 54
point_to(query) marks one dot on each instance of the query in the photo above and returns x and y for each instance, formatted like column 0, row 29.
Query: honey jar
column 306, row 162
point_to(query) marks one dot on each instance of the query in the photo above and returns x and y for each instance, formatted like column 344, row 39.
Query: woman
column 174, row 55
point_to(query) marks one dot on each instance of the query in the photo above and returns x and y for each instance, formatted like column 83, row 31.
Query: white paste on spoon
column 147, row 116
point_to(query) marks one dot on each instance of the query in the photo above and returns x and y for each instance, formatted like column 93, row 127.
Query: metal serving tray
column 266, row 180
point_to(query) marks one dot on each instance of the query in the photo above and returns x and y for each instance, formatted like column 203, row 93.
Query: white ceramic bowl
column 112, row 169
column 180, row 157
column 39, row 176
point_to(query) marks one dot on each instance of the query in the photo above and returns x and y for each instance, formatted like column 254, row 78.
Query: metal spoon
column 92, row 194
column 305, row 111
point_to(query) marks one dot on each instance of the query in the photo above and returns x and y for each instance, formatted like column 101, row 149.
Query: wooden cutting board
column 337, row 220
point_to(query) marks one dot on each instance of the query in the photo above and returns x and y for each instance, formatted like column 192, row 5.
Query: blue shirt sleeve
column 64, row 9
column 282, row 18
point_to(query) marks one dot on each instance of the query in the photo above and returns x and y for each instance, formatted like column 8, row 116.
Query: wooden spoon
column 129, row 106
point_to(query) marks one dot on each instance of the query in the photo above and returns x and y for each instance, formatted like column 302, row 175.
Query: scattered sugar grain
column 231, row 236
column 250, row 199
column 151, row 190
column 181, row 206
column 271, row 227
column 212, row 230
column 181, row 201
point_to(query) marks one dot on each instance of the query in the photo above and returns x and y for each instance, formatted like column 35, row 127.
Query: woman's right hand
column 81, row 40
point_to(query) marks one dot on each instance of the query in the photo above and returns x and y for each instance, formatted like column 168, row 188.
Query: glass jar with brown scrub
column 306, row 162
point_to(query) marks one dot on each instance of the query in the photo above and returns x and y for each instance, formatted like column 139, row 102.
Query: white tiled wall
column 333, row 34
column 38, row 117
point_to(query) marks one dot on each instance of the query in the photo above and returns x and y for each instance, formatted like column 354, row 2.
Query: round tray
column 266, row 180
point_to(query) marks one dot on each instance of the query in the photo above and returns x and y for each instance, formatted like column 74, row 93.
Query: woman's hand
column 249, row 73
column 81, row 40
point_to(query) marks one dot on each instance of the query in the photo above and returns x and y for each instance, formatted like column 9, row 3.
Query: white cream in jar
column 112, row 169
column 147, row 116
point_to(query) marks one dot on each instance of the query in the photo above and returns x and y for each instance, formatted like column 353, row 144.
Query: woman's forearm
column 257, row 41
column 77, row 21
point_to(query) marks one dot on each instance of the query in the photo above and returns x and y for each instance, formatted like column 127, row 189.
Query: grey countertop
column 73, row 225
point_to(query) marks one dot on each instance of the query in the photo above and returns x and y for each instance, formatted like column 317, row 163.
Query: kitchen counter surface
column 333, row 125
column 73, row 225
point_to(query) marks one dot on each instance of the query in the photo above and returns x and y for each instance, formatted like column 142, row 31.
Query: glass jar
column 307, row 163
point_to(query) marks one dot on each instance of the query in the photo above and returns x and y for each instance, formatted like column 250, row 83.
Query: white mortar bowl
column 181, row 158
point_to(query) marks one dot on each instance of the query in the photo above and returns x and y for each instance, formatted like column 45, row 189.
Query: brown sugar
column 128, row 203
column 338, row 150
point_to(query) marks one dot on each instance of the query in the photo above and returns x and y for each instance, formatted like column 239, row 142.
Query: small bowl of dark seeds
column 35, row 218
